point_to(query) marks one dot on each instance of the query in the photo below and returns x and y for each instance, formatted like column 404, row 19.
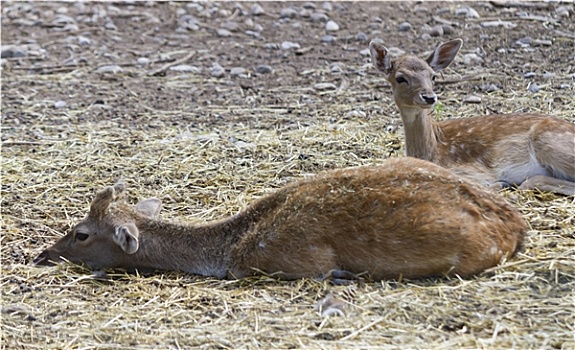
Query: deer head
column 106, row 235
column 411, row 78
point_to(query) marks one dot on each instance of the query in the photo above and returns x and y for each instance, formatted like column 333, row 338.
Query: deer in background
column 406, row 218
column 528, row 150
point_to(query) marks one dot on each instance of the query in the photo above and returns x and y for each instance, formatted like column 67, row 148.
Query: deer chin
column 419, row 103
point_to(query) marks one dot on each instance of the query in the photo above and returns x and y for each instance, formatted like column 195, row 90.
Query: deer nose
column 429, row 99
column 43, row 259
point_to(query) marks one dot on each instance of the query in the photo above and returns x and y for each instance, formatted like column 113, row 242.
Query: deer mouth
column 44, row 259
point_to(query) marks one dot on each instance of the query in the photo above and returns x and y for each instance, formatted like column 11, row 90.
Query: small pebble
column 447, row 29
column 83, row 41
column 472, row 99
column 324, row 86
column 264, row 69
column 534, row 88
column 355, row 114
column 404, row 27
column 562, row 11
column 231, row 26
column 110, row 25
column 186, row 68
column 256, row 10
column 529, row 75
column 489, row 87
column 467, row 12
column 59, row 104
column 442, row 10
column 420, row 9
column 224, row 33
column 331, row 26
column 237, row 71
column 271, row 46
column 327, row 6
column 253, row 34
column 361, row 36
column 309, row 6
column 71, row 28
column 287, row 45
column 472, row 59
column 217, row 70
column 12, row 52
column 318, row 17
column 436, row 30
column 328, row 39
column 305, row 13
column 288, row 12
column 144, row 61
column 112, row 68
column 195, row 6
column 527, row 40
column 61, row 19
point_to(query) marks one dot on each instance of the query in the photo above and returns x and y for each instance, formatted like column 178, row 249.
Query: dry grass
column 208, row 155
column 201, row 175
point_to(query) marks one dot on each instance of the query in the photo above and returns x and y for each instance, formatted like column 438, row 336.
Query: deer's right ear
column 149, row 207
column 126, row 236
column 444, row 54
column 380, row 57
column 102, row 201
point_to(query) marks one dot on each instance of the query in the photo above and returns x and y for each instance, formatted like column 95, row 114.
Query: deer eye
column 400, row 80
column 82, row 236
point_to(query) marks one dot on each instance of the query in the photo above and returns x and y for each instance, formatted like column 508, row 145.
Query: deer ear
column 380, row 57
column 444, row 54
column 104, row 198
column 126, row 236
column 149, row 207
column 102, row 201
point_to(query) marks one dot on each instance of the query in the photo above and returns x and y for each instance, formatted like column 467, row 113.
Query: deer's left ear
column 126, row 236
column 380, row 57
column 149, row 207
column 444, row 54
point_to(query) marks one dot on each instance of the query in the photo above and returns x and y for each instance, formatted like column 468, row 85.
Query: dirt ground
column 209, row 105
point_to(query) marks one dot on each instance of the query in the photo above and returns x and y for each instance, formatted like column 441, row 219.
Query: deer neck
column 197, row 249
column 420, row 138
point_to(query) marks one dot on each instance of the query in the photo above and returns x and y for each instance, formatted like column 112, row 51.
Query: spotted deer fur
column 531, row 151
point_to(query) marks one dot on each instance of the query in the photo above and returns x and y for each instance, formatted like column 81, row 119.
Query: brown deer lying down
column 406, row 218
column 528, row 150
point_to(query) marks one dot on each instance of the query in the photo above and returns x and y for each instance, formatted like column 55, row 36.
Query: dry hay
column 200, row 174
column 206, row 160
